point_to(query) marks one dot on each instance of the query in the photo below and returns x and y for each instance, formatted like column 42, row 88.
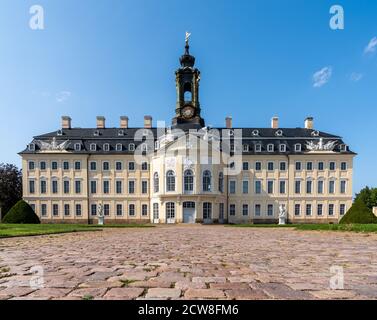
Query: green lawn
column 19, row 230
column 318, row 227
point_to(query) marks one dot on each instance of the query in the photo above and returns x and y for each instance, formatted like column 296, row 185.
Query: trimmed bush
column 21, row 212
column 359, row 213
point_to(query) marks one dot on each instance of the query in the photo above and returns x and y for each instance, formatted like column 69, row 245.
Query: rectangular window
column 332, row 166
column 93, row 166
column 42, row 165
column 66, row 210
column 66, row 186
column 54, row 186
column 321, row 166
column 93, row 187
column 78, row 210
column 297, row 186
column 245, row 187
column 144, row 210
column 118, row 166
column 144, row 187
column 119, row 210
column 331, row 209
column 342, row 209
column 54, row 165
column 282, row 185
column 77, row 165
column 309, row 185
column 93, row 209
column 298, row 166
column 105, row 166
column 118, row 186
column 232, row 209
column 320, row 187
column 258, row 187
column 270, row 210
column 270, row 166
column 77, row 186
column 309, row 166
column 144, row 166
column 131, row 210
column 44, row 210
column 232, row 187
column 297, row 209
column 258, row 166
column 106, row 209
column 283, row 166
column 131, row 166
column 245, row 166
column 43, row 186
column 31, row 165
column 257, row 210
column 258, row 148
column 320, row 209
column 156, row 213
column 332, row 186
column 221, row 211
column 245, row 210
column 207, row 210
column 343, row 186
column 270, row 187
column 308, row 209
column 131, row 187
column 65, row 165
column 55, row 209
column 106, row 187
column 343, row 166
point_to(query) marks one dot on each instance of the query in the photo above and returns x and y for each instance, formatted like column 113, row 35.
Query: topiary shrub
column 21, row 212
column 359, row 213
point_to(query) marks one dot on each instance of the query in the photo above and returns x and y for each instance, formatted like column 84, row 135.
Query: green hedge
column 21, row 212
column 359, row 213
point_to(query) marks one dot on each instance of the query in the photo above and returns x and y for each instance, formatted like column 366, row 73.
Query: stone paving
column 189, row 262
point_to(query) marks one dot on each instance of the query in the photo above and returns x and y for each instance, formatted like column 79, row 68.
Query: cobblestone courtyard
column 189, row 262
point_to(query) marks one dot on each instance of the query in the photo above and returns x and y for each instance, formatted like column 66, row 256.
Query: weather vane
column 187, row 37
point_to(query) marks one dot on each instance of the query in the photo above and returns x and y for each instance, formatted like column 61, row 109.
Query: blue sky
column 257, row 60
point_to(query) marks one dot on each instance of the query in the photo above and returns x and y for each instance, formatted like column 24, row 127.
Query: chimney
column 100, row 122
column 66, row 122
column 275, row 123
column 124, row 122
column 309, row 123
column 228, row 122
column 147, row 122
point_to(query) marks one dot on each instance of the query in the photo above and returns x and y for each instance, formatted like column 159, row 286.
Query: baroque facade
column 188, row 172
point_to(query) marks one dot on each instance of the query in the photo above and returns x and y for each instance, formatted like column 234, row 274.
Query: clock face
column 188, row 112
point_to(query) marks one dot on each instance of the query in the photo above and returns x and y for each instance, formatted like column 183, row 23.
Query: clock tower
column 187, row 77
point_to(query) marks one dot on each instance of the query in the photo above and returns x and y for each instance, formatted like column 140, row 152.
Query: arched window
column 156, row 182
column 170, row 181
column 187, row 92
column 188, row 181
column 221, row 182
column 206, row 181
column 188, row 96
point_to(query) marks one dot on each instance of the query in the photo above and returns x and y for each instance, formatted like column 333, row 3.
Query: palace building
column 188, row 172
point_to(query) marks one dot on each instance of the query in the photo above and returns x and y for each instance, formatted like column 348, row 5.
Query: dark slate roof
column 251, row 136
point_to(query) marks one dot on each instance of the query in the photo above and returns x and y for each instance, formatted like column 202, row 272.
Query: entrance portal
column 189, row 212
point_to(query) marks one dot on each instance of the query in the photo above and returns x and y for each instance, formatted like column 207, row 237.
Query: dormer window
column 77, row 146
column 59, row 133
column 283, row 148
column 93, row 147
column 96, row 133
column 121, row 133
column 258, row 147
column 270, row 147
column 255, row 133
column 31, row 147
column 343, row 147
column 245, row 148
column 279, row 133
column 315, row 133
column 131, row 147
column 118, row 147
column 106, row 147
column 297, row 147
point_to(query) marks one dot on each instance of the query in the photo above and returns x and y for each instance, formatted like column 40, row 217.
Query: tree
column 10, row 186
column 368, row 196
column 359, row 213
column 21, row 212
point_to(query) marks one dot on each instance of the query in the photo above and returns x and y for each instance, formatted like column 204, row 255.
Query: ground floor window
column 144, row 210
column 270, row 210
column 55, row 209
column 331, row 209
column 257, row 210
column 342, row 209
column 93, row 209
column 297, row 209
column 319, row 209
column 44, row 210
column 131, row 210
column 232, row 209
column 308, row 209
column 106, row 209
column 78, row 210
column 245, row 210
column 207, row 210
column 156, row 214
column 170, row 210
column 119, row 210
column 221, row 211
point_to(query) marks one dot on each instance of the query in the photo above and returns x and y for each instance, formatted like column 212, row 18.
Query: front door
column 170, row 212
column 189, row 212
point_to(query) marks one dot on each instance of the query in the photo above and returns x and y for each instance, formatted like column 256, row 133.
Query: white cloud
column 62, row 96
column 321, row 77
column 356, row 77
column 372, row 46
